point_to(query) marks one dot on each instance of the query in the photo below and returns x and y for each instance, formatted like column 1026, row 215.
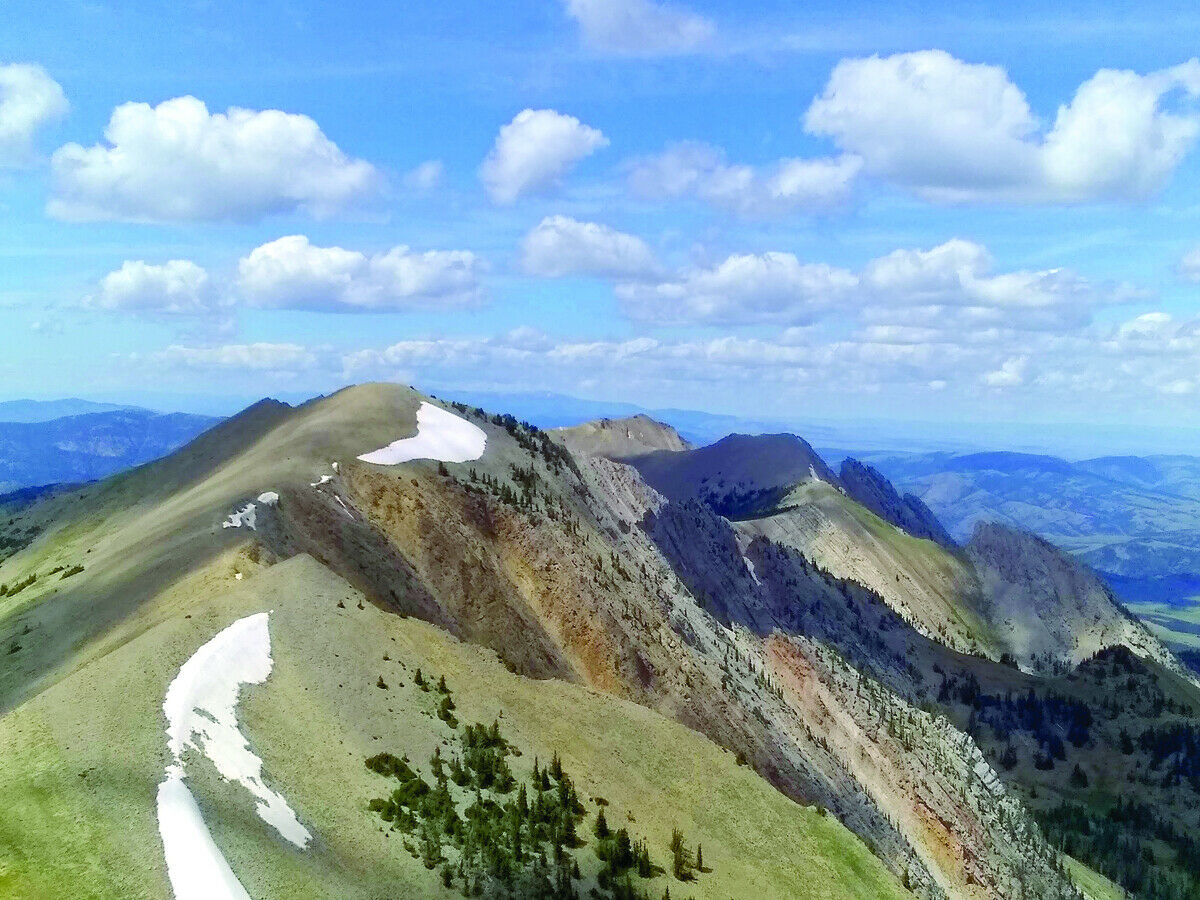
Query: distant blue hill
column 1137, row 517
column 85, row 447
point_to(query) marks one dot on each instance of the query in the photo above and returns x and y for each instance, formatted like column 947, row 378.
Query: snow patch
column 195, row 865
column 268, row 498
column 324, row 479
column 750, row 568
column 334, row 465
column 244, row 516
column 200, row 707
column 440, row 435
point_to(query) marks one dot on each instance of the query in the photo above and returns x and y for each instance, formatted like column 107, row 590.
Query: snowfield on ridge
column 440, row 435
column 200, row 707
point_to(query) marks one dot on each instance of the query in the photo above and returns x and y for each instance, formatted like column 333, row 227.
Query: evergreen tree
column 681, row 857
column 601, row 827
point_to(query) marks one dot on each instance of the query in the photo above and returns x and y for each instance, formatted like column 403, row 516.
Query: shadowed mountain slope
column 736, row 475
column 870, row 488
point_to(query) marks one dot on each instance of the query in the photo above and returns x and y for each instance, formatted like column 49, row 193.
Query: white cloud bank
column 534, row 151
column 559, row 246
column 29, row 99
column 763, row 287
column 640, row 27
column 950, row 286
column 1010, row 374
column 279, row 360
column 955, row 131
column 292, row 273
column 179, row 162
column 1151, row 352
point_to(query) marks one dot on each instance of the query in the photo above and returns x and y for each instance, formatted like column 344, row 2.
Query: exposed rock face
column 870, row 488
column 928, row 778
column 1052, row 611
column 738, row 475
column 622, row 438
column 629, row 496
column 703, row 550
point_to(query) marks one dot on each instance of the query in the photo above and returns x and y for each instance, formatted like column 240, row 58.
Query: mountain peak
column 623, row 438
column 1054, row 609
column 739, row 474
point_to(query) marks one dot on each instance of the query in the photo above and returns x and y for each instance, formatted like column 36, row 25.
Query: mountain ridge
column 571, row 567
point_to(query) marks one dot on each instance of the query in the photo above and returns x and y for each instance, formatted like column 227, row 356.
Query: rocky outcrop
column 870, row 488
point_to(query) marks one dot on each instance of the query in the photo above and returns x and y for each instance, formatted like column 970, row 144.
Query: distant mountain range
column 40, row 446
column 547, row 409
column 1137, row 517
column 45, row 410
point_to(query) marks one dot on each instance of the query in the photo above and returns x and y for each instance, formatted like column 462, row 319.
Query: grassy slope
column 319, row 715
column 1094, row 885
column 140, row 531
column 917, row 577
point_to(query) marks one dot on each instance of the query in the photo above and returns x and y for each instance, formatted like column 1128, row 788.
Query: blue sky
column 910, row 211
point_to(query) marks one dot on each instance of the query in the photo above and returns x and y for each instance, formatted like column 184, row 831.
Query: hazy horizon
column 548, row 409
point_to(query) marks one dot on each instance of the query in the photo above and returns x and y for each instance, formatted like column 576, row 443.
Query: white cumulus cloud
column 293, row 273
column 1010, row 374
column 534, row 151
column 957, row 131
column 176, row 287
column 426, row 176
column 29, row 99
column 948, row 288
column 179, row 162
column 560, row 246
column 953, row 285
column 640, row 27
column 694, row 169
